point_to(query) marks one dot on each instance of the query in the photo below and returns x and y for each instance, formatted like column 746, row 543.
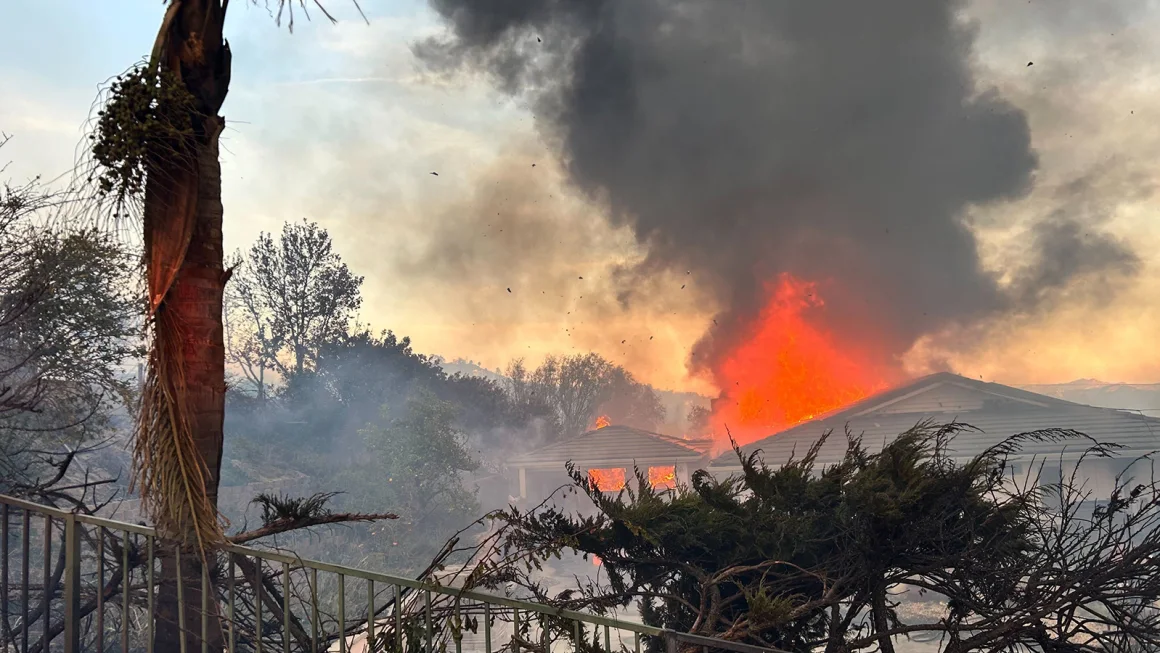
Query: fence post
column 72, row 585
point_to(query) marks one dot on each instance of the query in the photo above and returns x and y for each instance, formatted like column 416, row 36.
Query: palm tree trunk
column 195, row 304
column 183, row 223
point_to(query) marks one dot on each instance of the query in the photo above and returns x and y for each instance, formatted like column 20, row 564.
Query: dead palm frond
column 286, row 7
column 170, row 472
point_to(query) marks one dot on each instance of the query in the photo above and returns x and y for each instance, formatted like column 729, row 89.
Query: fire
column 607, row 480
column 663, row 478
column 792, row 369
column 603, row 421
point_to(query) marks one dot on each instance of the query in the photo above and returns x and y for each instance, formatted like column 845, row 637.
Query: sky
column 344, row 124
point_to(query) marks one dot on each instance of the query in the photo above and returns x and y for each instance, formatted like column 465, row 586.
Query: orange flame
column 607, row 480
column 663, row 478
column 603, row 421
column 791, row 369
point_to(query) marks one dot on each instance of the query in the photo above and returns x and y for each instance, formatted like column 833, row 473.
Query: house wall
column 540, row 483
column 1096, row 476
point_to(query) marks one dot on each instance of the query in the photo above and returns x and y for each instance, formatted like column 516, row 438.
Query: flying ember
column 791, row 368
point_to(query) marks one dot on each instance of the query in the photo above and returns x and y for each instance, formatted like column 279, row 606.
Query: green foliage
column 365, row 372
column 389, row 428
column 68, row 322
column 632, row 403
column 314, row 419
column 148, row 116
column 422, row 450
column 413, row 466
column 86, row 311
column 800, row 557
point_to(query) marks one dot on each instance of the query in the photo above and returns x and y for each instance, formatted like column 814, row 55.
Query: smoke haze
column 338, row 124
column 842, row 142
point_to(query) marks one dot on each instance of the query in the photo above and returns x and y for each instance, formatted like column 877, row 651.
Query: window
column 662, row 478
column 607, row 480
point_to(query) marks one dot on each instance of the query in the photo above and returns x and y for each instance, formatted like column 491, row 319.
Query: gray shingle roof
column 998, row 411
column 615, row 445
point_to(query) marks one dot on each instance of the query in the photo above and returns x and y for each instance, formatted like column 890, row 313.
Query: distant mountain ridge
column 470, row 368
column 1144, row 397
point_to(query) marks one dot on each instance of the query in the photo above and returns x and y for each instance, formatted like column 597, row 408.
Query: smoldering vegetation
column 320, row 403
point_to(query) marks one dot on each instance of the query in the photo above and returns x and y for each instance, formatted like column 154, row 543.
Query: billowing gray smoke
column 839, row 141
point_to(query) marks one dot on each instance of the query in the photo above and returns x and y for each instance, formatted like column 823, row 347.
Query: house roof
column 998, row 411
column 615, row 445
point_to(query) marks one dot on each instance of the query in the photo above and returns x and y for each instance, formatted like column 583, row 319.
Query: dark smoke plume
column 839, row 141
column 1067, row 244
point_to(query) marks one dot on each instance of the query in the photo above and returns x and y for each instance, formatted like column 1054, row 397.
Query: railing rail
column 99, row 589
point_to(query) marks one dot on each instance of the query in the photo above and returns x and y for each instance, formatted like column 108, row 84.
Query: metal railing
column 73, row 583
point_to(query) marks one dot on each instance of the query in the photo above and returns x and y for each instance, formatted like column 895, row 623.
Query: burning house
column 608, row 455
column 996, row 411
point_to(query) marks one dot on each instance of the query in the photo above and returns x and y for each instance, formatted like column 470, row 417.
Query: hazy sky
column 340, row 124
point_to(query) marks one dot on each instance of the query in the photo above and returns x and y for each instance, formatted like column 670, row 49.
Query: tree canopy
column 414, row 462
column 68, row 322
column 576, row 389
column 289, row 297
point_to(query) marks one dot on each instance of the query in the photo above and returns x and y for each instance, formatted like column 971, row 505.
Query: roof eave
column 605, row 462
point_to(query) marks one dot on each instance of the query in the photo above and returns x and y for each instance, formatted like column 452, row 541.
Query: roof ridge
column 675, row 439
column 867, row 405
column 1014, row 392
column 659, row 437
